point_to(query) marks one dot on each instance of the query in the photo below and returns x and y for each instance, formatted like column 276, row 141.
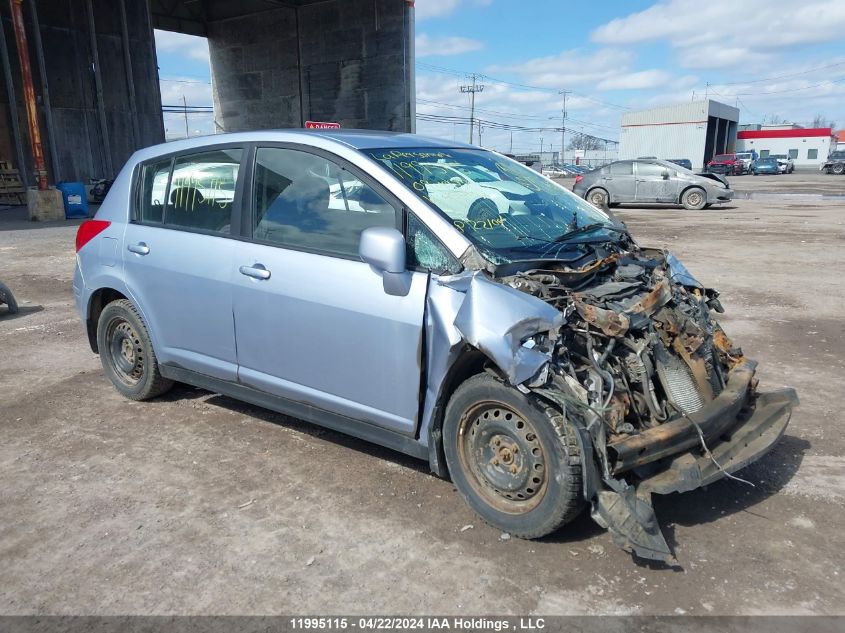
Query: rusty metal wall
column 92, row 134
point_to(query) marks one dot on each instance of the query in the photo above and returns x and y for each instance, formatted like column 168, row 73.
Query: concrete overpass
column 274, row 63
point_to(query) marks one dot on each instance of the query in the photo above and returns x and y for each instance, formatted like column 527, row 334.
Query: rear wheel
column 598, row 196
column 126, row 352
column 694, row 199
column 507, row 460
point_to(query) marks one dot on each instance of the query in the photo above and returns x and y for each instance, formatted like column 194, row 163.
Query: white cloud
column 570, row 68
column 720, row 33
column 450, row 45
column 636, row 80
column 425, row 9
column 190, row 46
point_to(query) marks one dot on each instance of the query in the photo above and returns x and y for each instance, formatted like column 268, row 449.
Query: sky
column 773, row 60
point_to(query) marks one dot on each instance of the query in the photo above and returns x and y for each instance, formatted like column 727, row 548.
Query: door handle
column 140, row 248
column 256, row 272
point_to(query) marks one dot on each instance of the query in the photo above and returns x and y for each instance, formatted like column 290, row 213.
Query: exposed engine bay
column 639, row 346
column 651, row 381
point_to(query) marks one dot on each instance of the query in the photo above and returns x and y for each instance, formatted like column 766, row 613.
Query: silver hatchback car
column 435, row 298
column 652, row 181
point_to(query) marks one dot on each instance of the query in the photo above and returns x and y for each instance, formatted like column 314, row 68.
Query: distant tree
column 585, row 142
column 821, row 120
column 775, row 119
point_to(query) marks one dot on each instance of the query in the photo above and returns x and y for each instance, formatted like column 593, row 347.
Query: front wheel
column 839, row 169
column 126, row 352
column 694, row 199
column 507, row 460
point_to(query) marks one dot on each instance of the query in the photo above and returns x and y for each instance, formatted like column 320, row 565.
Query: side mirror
column 457, row 181
column 383, row 248
column 665, row 174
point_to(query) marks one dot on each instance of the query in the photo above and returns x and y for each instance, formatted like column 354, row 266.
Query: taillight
column 88, row 230
column 578, row 179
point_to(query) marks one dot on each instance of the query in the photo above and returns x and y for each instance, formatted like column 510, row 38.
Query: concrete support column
column 344, row 61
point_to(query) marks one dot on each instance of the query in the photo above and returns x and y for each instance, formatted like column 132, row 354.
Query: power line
column 472, row 90
column 488, row 78
column 786, row 76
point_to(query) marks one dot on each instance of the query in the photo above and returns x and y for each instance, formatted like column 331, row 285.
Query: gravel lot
column 198, row 504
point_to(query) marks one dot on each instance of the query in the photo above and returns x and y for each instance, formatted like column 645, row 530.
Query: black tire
column 127, row 354
column 8, row 298
column 838, row 169
column 694, row 199
column 598, row 197
column 507, row 460
column 483, row 209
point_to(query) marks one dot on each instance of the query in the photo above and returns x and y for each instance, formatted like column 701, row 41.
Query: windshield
column 510, row 212
column 723, row 158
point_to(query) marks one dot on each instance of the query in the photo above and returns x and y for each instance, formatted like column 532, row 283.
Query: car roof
column 356, row 139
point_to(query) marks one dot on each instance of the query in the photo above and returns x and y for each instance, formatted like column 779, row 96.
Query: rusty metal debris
column 627, row 350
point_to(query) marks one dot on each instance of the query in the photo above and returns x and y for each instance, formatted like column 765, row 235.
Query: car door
column 177, row 258
column 312, row 321
column 655, row 182
column 618, row 179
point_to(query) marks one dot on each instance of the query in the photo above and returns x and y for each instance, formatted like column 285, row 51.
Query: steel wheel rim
column 125, row 352
column 597, row 197
column 694, row 198
column 503, row 458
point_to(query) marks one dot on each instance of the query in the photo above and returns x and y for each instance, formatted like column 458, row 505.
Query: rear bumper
column 736, row 425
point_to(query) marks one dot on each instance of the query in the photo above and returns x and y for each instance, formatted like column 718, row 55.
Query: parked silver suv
column 533, row 353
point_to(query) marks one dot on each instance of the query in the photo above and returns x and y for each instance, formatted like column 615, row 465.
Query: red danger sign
column 321, row 125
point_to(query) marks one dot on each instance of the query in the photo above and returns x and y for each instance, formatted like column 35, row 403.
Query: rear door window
column 625, row 168
column 202, row 190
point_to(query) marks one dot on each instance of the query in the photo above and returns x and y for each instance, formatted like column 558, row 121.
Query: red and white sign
column 321, row 125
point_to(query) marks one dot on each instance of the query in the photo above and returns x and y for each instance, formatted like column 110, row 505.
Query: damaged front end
column 626, row 348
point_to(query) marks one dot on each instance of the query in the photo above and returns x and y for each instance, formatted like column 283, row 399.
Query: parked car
column 747, row 159
column 766, row 166
column 686, row 163
column 785, row 163
column 543, row 360
column 835, row 163
column 726, row 164
column 651, row 181
column 575, row 169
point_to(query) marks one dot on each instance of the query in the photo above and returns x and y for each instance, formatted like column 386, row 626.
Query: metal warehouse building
column 805, row 146
column 697, row 130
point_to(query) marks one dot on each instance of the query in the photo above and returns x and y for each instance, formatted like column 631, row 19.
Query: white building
column 697, row 130
column 805, row 146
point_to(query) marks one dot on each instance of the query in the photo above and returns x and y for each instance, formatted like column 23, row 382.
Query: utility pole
column 475, row 87
column 511, row 150
column 541, row 148
column 185, row 106
column 563, row 126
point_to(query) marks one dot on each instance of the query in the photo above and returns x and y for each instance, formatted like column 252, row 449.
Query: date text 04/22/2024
column 417, row 623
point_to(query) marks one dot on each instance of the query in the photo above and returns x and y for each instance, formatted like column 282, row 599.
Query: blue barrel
column 75, row 199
